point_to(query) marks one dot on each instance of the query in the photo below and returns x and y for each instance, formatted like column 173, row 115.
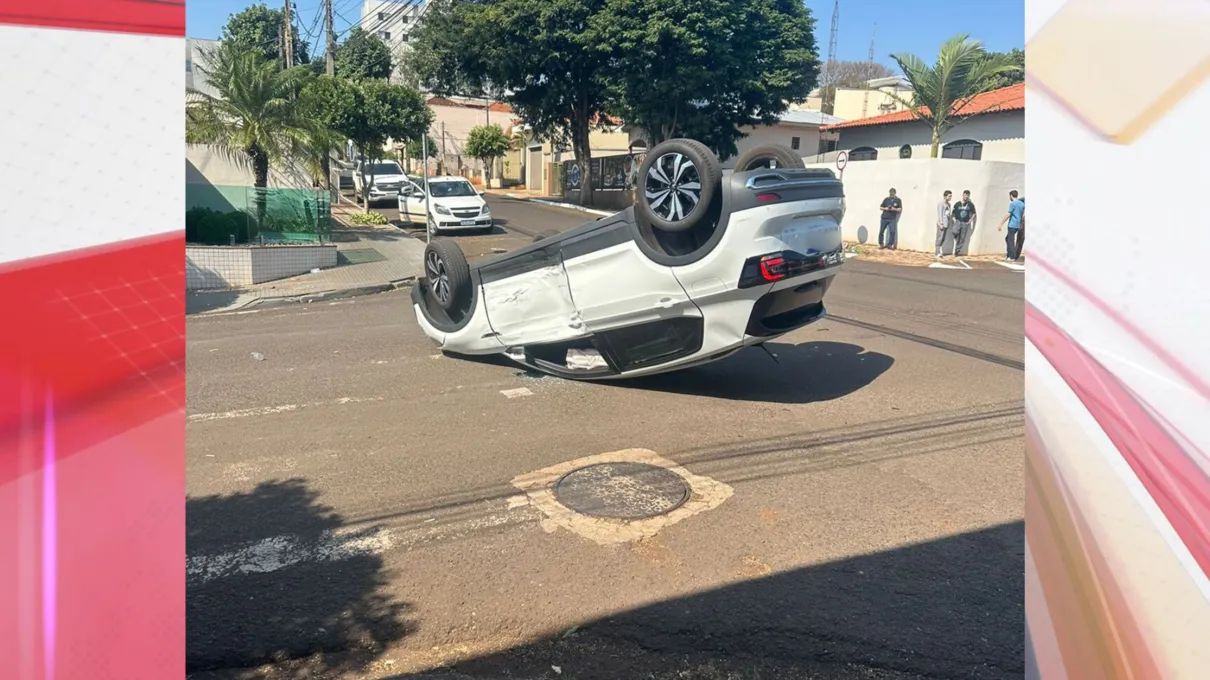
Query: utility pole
column 330, row 51
column 441, row 163
column 287, row 34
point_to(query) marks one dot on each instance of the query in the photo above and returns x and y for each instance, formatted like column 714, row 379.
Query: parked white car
column 386, row 178
column 454, row 205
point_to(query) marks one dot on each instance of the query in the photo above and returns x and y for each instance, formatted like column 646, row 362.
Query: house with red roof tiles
column 992, row 128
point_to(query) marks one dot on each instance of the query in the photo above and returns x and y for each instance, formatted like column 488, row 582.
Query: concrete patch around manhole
column 539, row 488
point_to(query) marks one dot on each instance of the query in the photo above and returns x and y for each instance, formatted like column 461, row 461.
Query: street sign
column 842, row 159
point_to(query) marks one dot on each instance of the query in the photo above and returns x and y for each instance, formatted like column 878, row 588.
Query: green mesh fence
column 226, row 215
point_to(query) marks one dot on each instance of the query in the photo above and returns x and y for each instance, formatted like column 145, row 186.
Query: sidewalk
column 370, row 259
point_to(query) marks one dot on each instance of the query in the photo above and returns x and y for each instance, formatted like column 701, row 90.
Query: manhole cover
column 359, row 256
column 622, row 490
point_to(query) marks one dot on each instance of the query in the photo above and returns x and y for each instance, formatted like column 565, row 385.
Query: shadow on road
column 803, row 373
column 197, row 302
column 276, row 549
column 949, row 608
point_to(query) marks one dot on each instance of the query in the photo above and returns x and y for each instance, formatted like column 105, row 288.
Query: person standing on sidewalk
column 964, row 222
column 888, row 230
column 1014, row 241
column 945, row 219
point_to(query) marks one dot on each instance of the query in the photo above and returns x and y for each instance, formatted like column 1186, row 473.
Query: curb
column 556, row 204
column 308, row 298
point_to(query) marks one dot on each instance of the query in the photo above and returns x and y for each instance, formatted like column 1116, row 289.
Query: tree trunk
column 260, row 182
column 582, row 150
column 936, row 144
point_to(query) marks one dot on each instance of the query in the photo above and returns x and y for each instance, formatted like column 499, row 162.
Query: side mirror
column 482, row 192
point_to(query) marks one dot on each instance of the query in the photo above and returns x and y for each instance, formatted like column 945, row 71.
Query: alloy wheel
column 674, row 187
column 439, row 279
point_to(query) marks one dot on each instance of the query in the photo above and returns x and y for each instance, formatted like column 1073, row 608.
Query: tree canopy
column 258, row 28
column 705, row 68
column 699, row 68
column 362, row 56
column 369, row 112
column 962, row 71
column 487, row 143
column 1014, row 56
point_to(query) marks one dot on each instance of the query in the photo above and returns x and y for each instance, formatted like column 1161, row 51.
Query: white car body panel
column 534, row 307
column 618, row 286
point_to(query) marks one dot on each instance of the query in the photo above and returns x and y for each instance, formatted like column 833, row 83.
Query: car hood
column 459, row 201
column 389, row 179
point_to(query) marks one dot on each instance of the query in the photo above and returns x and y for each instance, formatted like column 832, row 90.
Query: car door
column 414, row 203
column 614, row 284
column 528, row 299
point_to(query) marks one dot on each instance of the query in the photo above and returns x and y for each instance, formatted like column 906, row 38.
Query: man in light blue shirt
column 1015, row 219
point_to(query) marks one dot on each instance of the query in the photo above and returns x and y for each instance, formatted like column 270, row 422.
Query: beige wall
column 920, row 183
column 1002, row 136
column 216, row 169
column 850, row 103
column 601, row 142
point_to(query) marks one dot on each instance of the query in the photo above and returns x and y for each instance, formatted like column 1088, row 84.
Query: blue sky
column 918, row 26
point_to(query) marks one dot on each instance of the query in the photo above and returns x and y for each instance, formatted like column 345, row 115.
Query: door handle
column 665, row 303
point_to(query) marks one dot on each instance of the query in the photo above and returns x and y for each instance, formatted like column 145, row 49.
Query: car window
column 452, row 189
column 385, row 169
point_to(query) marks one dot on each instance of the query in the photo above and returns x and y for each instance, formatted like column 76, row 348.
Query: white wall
column 1002, row 136
column 808, row 137
column 920, row 183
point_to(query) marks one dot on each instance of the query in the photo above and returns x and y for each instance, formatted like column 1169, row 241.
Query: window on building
column 382, row 16
column 905, row 151
column 795, row 143
column 405, row 37
column 385, row 35
column 864, row 153
column 965, row 149
column 827, row 145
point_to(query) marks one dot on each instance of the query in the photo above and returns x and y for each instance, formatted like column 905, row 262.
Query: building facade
column 992, row 128
column 393, row 21
column 880, row 96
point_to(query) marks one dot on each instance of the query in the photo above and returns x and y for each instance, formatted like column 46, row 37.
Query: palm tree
column 942, row 91
column 256, row 117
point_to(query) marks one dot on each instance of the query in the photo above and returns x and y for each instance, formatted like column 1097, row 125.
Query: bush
column 367, row 218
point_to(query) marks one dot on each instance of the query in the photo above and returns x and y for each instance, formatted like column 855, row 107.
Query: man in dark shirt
column 888, row 230
column 964, row 223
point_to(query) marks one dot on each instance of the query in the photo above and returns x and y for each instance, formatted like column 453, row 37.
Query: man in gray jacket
column 945, row 219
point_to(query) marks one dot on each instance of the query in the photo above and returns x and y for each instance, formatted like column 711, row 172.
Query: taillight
column 773, row 268
column 768, row 198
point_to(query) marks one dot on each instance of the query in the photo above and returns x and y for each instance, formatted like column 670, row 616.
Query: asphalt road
column 517, row 223
column 350, row 505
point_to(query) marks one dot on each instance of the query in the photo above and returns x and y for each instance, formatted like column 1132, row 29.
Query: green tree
column 370, row 113
column 256, row 117
column 414, row 151
column 487, row 143
column 705, row 68
column 1015, row 56
column 363, row 55
column 541, row 53
column 942, row 91
column 259, row 28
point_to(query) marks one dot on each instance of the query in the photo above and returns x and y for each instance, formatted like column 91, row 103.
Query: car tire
column 447, row 274
column 549, row 233
column 768, row 156
column 663, row 202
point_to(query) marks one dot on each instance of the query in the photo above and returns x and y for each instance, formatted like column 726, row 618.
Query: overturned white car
column 697, row 269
